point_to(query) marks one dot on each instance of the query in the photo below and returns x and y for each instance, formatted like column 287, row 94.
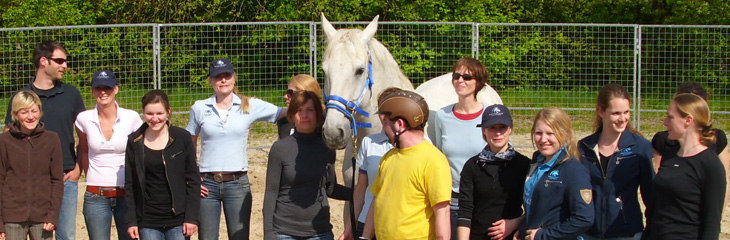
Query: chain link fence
column 531, row 65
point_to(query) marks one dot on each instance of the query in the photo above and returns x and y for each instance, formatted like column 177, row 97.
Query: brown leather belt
column 109, row 192
column 223, row 176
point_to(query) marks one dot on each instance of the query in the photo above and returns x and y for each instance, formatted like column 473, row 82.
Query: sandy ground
column 257, row 177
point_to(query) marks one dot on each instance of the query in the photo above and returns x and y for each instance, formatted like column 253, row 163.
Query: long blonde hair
column 245, row 106
column 692, row 104
column 559, row 122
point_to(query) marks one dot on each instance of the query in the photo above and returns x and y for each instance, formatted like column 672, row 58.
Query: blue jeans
column 66, row 229
column 454, row 216
column 235, row 196
column 168, row 233
column 98, row 212
column 321, row 236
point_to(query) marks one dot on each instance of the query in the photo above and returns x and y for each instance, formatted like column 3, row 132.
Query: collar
column 211, row 100
column 58, row 88
column 14, row 129
column 379, row 137
column 627, row 139
column 95, row 114
column 559, row 155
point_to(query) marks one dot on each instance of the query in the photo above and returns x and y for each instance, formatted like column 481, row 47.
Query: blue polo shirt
column 535, row 177
column 224, row 142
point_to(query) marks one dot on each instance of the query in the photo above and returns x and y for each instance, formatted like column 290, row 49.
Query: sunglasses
column 290, row 92
column 466, row 77
column 58, row 61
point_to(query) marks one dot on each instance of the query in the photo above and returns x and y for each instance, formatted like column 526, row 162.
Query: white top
column 106, row 158
column 368, row 161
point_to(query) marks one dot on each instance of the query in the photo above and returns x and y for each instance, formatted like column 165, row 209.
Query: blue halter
column 348, row 108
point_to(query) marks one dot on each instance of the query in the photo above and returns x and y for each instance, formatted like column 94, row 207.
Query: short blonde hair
column 559, row 122
column 23, row 100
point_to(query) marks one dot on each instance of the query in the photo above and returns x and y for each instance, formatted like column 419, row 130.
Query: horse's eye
column 359, row 71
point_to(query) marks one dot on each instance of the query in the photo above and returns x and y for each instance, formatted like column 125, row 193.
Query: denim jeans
column 20, row 231
column 66, row 229
column 454, row 216
column 321, row 236
column 98, row 212
column 235, row 196
column 168, row 233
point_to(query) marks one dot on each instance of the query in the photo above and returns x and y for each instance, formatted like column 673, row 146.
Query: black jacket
column 491, row 191
column 182, row 172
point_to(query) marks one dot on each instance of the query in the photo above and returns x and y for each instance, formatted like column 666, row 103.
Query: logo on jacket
column 554, row 175
column 586, row 195
column 627, row 151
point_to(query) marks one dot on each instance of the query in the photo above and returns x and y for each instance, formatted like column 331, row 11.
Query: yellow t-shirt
column 409, row 183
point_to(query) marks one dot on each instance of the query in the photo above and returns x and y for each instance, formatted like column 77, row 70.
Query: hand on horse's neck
column 468, row 105
column 224, row 101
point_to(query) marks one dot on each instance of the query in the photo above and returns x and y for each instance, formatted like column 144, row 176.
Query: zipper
column 621, row 207
column 172, row 195
column 27, row 193
column 547, row 182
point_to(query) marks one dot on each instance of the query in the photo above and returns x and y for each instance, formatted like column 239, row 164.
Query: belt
column 109, row 192
column 223, row 176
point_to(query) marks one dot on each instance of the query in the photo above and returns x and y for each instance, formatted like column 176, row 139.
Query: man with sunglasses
column 61, row 104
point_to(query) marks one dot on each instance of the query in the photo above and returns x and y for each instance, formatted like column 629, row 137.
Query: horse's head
column 347, row 84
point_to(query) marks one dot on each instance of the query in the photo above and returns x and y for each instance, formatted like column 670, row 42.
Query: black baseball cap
column 104, row 78
column 496, row 114
column 221, row 65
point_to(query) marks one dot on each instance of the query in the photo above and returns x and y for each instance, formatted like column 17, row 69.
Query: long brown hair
column 605, row 95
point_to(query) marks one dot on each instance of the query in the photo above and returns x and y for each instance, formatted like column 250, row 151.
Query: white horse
column 351, row 60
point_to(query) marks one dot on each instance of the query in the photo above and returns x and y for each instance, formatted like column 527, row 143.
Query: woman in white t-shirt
column 102, row 133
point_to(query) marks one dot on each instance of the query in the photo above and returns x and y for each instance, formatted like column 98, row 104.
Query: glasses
column 58, row 61
column 467, row 77
column 290, row 92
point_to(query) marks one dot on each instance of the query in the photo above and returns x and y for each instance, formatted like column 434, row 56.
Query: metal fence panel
column 264, row 55
column 124, row 49
column 534, row 66
column 531, row 65
column 671, row 55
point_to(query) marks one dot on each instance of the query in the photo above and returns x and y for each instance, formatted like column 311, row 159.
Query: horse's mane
column 385, row 66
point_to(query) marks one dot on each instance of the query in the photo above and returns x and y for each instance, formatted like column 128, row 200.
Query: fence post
column 156, row 56
column 313, row 49
column 637, row 77
column 475, row 40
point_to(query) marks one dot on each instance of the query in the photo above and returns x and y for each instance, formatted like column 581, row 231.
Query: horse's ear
column 329, row 30
column 370, row 30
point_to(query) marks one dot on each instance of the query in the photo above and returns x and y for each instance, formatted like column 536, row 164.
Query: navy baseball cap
column 104, row 78
column 496, row 114
column 218, row 66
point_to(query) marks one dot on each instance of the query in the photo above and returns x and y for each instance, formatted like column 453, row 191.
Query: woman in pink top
column 103, row 134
